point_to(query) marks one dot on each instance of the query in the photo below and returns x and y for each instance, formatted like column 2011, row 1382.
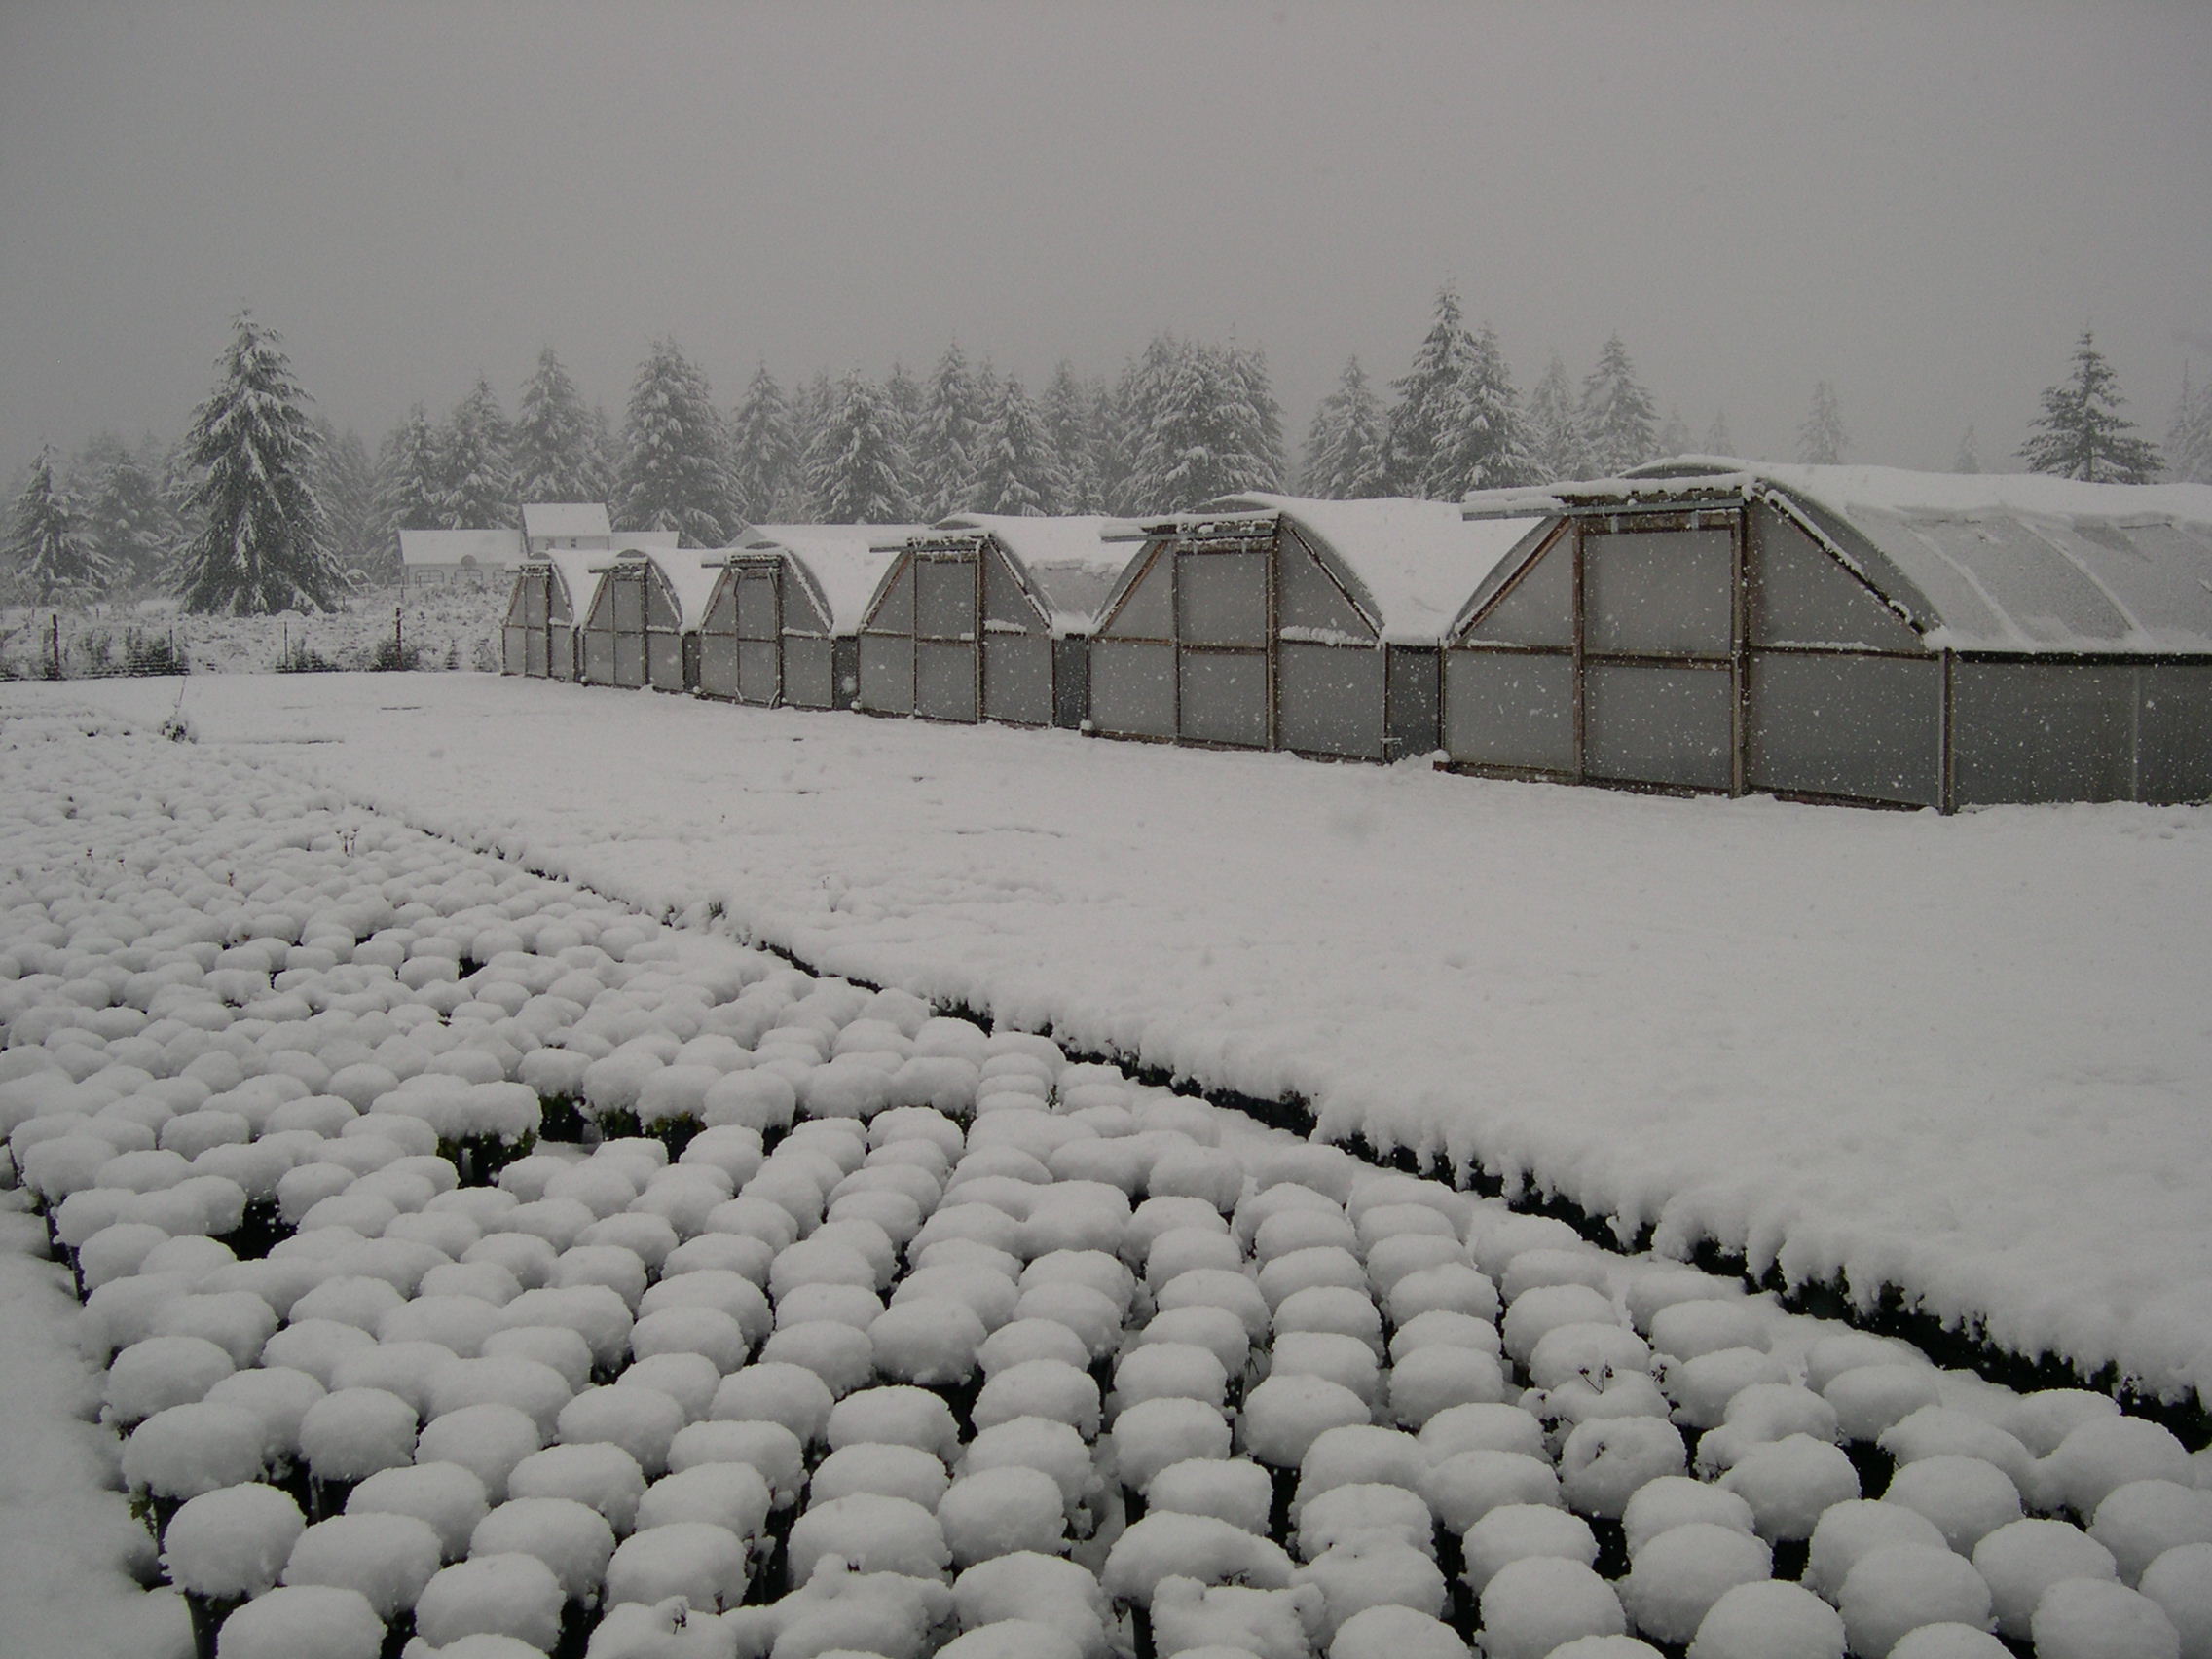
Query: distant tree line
column 262, row 506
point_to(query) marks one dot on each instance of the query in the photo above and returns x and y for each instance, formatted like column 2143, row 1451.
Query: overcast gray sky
column 1922, row 203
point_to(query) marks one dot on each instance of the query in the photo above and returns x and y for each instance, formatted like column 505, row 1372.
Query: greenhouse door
column 1661, row 647
column 1224, row 606
column 948, row 606
column 760, row 636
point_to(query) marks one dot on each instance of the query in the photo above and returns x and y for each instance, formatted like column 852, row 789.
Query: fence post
column 53, row 644
column 399, row 640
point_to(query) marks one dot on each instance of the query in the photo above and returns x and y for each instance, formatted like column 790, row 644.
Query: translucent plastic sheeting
column 887, row 673
column 2031, row 731
column 1003, row 601
column 1510, row 709
column 758, row 612
column 1148, row 613
column 1801, row 596
column 1309, row 596
column 629, row 602
column 1659, row 592
column 945, row 599
column 1225, row 697
column 1864, row 726
column 598, row 656
column 944, row 681
column 759, row 673
column 810, row 673
column 1222, row 599
column 515, row 649
column 560, row 652
column 1132, row 688
column 664, row 660
column 1330, row 699
column 1651, row 725
column 896, row 613
column 1539, row 607
column 718, row 666
column 1017, row 678
column 629, row 659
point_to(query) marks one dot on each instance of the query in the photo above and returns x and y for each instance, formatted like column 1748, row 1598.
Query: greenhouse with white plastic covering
column 1269, row 622
column 1853, row 634
column 782, row 625
column 984, row 617
column 645, row 615
column 538, row 637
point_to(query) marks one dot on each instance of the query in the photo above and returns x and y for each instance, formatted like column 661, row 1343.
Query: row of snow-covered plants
column 479, row 1270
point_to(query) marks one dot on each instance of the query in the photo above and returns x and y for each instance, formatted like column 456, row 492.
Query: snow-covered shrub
column 694, row 1559
column 2023, row 1558
column 2089, row 1618
column 232, row 1543
column 871, row 1533
column 1896, row 1588
column 1517, row 1531
column 1536, row 1605
column 1966, row 1498
column 506, row 1594
column 1678, row 1575
column 2141, row 1521
column 1769, row 1620
column 321, row 1621
column 387, row 1558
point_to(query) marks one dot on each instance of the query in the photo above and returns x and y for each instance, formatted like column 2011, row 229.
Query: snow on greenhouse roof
column 1070, row 564
column 577, row 567
column 843, row 562
column 1410, row 564
column 574, row 520
column 688, row 579
column 497, row 547
column 1982, row 562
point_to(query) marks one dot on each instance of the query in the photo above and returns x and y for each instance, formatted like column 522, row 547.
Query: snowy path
column 1966, row 1056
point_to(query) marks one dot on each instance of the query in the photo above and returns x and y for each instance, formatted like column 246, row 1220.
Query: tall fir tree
column 1424, row 447
column 409, row 496
column 124, row 518
column 1069, row 407
column 674, row 472
column 1674, row 434
column 763, row 451
column 906, row 394
column 1343, row 447
column 945, row 433
column 1139, row 409
column 346, row 482
column 2189, row 440
column 263, row 542
column 1719, row 440
column 555, row 447
column 55, row 561
column 858, row 468
column 476, row 463
column 2080, row 433
column 1486, row 447
column 1557, row 448
column 1821, row 437
column 813, row 406
column 1618, row 416
column 1017, row 468
column 1214, row 429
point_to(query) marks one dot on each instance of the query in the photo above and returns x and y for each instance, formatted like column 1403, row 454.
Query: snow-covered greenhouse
column 983, row 617
column 641, row 628
column 782, row 625
column 1268, row 622
column 538, row 637
column 1853, row 633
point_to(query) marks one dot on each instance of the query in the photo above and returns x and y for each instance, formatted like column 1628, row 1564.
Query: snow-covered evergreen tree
column 1343, row 447
column 1969, row 458
column 409, row 496
column 1821, row 437
column 1557, row 448
column 125, row 517
column 263, row 540
column 1069, row 407
column 2188, row 441
column 1432, row 407
column 53, row 560
column 1214, row 429
column 1675, row 434
column 1487, row 446
column 1139, row 407
column 763, row 451
column 555, row 444
column 2080, row 433
column 1719, row 440
column 858, row 468
column 476, row 463
column 1618, row 416
column 675, row 471
column 944, row 435
column 906, row 394
column 1018, row 469
column 346, row 483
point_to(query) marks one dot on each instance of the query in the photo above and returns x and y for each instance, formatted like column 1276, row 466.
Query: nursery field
column 472, row 1266
column 1967, row 1058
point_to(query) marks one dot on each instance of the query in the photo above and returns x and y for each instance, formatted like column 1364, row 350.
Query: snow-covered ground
column 991, row 1354
column 1967, row 1056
